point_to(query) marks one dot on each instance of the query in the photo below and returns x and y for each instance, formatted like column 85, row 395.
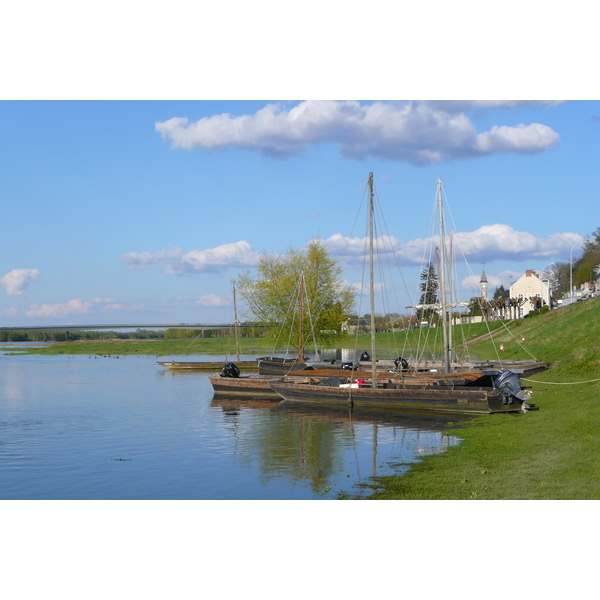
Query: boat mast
column 443, row 279
column 450, row 296
column 372, row 286
column 238, row 350
column 300, row 323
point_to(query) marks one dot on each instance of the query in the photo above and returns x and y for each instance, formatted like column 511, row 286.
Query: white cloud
column 495, row 242
column 484, row 245
column 214, row 300
column 417, row 132
column 18, row 280
column 9, row 312
column 79, row 307
column 73, row 307
column 212, row 260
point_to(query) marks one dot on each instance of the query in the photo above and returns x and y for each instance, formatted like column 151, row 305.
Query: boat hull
column 205, row 365
column 279, row 366
column 244, row 386
column 466, row 400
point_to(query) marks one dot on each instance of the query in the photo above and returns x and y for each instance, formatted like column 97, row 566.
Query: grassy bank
column 389, row 346
column 215, row 346
column 550, row 454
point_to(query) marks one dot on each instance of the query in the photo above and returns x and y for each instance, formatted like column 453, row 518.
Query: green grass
column 151, row 347
column 388, row 346
column 553, row 453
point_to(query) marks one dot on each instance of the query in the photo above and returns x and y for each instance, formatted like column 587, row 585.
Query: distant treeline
column 41, row 335
column 60, row 336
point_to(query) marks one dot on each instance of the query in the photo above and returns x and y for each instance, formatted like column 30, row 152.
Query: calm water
column 125, row 428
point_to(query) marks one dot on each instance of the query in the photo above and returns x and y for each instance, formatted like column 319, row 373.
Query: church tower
column 483, row 286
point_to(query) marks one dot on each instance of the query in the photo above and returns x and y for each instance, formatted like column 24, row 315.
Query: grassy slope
column 550, row 454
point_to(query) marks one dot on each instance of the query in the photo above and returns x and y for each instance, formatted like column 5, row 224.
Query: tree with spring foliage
column 273, row 294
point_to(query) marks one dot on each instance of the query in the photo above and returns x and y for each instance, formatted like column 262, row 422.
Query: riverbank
column 389, row 345
column 115, row 347
column 550, row 454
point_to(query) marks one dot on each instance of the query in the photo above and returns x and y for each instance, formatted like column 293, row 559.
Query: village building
column 528, row 289
column 483, row 286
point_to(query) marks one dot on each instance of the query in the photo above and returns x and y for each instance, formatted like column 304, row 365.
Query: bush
column 544, row 309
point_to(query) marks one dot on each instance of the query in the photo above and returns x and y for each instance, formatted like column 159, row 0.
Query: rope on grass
column 559, row 383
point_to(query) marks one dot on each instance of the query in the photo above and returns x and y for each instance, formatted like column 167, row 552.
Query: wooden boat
column 259, row 385
column 435, row 397
column 205, row 365
column 447, row 391
column 273, row 365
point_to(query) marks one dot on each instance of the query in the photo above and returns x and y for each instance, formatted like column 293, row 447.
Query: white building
column 528, row 287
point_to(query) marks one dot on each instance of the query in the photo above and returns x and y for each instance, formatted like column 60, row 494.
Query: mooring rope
column 560, row 383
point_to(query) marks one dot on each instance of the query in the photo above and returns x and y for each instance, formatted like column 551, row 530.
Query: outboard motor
column 365, row 356
column 347, row 366
column 509, row 386
column 401, row 363
column 230, row 370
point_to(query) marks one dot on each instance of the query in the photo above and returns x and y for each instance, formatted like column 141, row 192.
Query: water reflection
column 75, row 428
column 318, row 445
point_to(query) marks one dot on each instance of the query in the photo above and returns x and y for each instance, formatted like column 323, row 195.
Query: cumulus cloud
column 73, row 307
column 79, row 307
column 417, row 132
column 9, row 312
column 495, row 242
column 212, row 260
column 484, row 245
column 214, row 300
column 18, row 280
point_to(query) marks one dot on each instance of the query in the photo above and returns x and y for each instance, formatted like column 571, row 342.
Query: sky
column 136, row 186
column 127, row 212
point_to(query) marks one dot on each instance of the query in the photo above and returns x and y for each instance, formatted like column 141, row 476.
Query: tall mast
column 443, row 279
column 450, row 296
column 300, row 323
column 238, row 350
column 372, row 285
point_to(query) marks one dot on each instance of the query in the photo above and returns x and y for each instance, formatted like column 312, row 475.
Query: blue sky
column 143, row 211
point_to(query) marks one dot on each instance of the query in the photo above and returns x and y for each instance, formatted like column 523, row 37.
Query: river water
column 85, row 427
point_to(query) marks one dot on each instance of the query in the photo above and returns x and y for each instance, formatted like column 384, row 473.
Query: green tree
column 272, row 295
column 429, row 288
column 499, row 292
column 585, row 268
